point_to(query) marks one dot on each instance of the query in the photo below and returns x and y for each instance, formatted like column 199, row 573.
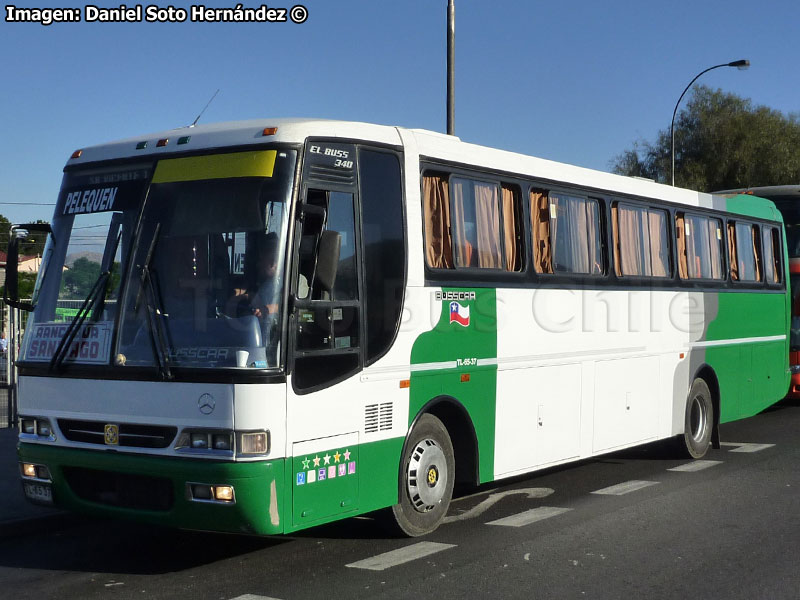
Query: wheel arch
column 458, row 422
column 707, row 374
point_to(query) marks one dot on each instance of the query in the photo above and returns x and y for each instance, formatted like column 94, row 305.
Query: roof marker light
column 77, row 154
column 184, row 140
column 141, row 145
column 269, row 131
column 161, row 143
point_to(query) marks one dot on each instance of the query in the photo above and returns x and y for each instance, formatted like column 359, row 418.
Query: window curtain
column 464, row 249
column 631, row 249
column 714, row 253
column 756, row 253
column 732, row 252
column 436, row 204
column 510, row 230
column 659, row 248
column 487, row 213
column 540, row 225
column 593, row 237
column 680, row 230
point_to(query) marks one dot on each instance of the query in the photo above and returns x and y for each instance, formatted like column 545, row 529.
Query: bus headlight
column 205, row 440
column 39, row 427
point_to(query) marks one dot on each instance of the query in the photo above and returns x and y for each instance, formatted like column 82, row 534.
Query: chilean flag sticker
column 459, row 314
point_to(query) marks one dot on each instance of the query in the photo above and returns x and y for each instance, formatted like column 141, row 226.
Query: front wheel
column 427, row 472
column 699, row 421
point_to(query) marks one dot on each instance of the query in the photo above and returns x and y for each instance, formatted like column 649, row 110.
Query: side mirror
column 19, row 233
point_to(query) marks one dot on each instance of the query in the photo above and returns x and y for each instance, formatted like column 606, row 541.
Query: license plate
column 38, row 492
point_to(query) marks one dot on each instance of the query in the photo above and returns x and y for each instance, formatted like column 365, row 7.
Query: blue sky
column 576, row 82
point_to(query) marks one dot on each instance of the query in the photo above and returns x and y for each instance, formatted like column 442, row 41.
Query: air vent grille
column 331, row 175
column 378, row 417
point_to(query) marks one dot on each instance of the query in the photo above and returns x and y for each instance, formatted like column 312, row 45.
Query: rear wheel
column 699, row 421
column 427, row 472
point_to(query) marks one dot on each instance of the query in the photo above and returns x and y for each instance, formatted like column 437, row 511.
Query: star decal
column 306, row 463
column 347, row 454
column 316, row 461
column 327, row 459
column 337, row 456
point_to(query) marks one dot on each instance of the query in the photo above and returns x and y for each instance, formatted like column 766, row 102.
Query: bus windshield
column 186, row 271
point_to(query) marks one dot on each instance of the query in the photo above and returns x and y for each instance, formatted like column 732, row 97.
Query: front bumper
column 153, row 489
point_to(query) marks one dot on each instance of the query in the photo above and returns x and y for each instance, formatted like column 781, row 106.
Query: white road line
column 624, row 488
column 529, row 516
column 696, row 465
column 253, row 597
column 746, row 447
column 400, row 556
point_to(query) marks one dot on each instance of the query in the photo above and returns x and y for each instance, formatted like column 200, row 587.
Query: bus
column 290, row 322
column 787, row 200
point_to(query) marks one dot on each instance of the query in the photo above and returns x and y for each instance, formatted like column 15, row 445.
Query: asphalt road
column 728, row 528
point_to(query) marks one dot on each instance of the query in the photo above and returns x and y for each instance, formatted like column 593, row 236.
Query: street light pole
column 451, row 69
column 739, row 64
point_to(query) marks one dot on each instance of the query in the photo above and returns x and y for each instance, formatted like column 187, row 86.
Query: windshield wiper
column 62, row 350
column 155, row 313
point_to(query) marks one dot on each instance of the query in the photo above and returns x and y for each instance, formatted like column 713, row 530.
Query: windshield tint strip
column 217, row 166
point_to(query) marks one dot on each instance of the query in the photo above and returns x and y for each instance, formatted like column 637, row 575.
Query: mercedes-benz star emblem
column 206, row 404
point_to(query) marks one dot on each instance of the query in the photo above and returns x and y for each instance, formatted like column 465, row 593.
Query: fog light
column 42, row 472
column 28, row 470
column 223, row 493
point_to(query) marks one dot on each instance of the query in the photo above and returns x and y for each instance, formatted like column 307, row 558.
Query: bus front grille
column 132, row 435
column 121, row 490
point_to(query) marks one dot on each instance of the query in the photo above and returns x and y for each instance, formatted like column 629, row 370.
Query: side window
column 476, row 223
column 641, row 242
column 743, row 247
column 384, row 247
column 566, row 233
column 471, row 223
column 326, row 316
column 699, row 247
column 772, row 253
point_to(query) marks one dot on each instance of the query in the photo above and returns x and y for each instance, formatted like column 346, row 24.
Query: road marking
column 494, row 499
column 253, row 597
column 529, row 516
column 624, row 488
column 400, row 556
column 696, row 465
column 746, row 447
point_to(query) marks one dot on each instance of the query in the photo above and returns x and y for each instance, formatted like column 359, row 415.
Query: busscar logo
column 459, row 296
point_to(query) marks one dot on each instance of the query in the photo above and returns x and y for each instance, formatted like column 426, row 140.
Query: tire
column 427, row 473
column 698, row 421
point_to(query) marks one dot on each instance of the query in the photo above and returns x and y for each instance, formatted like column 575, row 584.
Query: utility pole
column 451, row 67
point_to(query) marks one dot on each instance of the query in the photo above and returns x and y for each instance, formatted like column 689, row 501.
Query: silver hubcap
column 427, row 476
column 698, row 418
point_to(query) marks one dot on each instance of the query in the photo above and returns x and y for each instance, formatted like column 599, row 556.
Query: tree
column 77, row 282
column 722, row 141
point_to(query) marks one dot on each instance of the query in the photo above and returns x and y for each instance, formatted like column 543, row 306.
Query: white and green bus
column 289, row 322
